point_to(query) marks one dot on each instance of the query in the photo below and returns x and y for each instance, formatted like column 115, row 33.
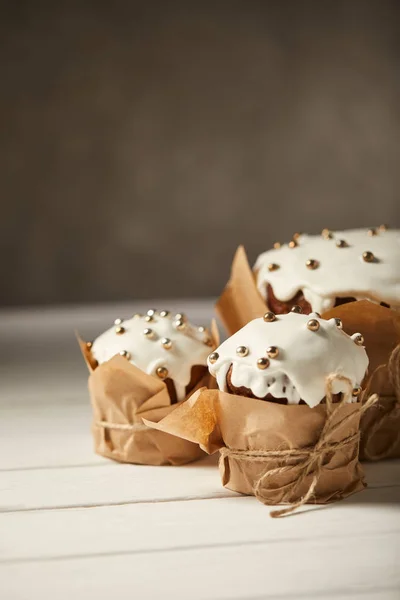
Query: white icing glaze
column 305, row 358
column 189, row 347
column 342, row 272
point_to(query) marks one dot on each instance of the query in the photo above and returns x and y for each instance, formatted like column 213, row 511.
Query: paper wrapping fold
column 121, row 396
column 241, row 302
column 264, row 445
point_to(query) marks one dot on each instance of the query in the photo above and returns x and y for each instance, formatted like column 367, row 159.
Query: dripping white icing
column 305, row 359
column 189, row 347
column 342, row 272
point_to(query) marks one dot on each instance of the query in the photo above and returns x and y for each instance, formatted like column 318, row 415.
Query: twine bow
column 394, row 412
column 309, row 460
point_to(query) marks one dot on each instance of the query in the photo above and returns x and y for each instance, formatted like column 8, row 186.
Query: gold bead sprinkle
column 164, row 313
column 119, row 330
column 125, row 354
column 149, row 333
column 277, row 245
column 151, row 312
column 273, row 352
column 296, row 236
column 273, row 267
column 149, row 318
column 179, row 324
column 327, row 234
column 242, row 351
column 293, row 244
column 358, row 339
column 357, row 391
column 313, row 325
column 117, row 321
column 89, row 345
column 383, row 227
column 166, row 343
column 201, row 329
column 312, row 264
column 368, row 256
column 162, row 372
column 180, row 317
column 213, row 357
column 136, row 316
column 339, row 323
column 342, row 244
column 269, row 317
column 263, row 363
column 296, row 309
column 372, row 231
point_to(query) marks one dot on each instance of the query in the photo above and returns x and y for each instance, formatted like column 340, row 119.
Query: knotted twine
column 393, row 413
column 310, row 459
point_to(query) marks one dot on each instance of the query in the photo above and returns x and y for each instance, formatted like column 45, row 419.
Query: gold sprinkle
column 162, row 372
column 327, row 234
column 125, row 354
column 213, row 357
column 273, row 267
column 339, row 323
column 242, row 351
column 179, row 324
column 368, row 256
column 201, row 329
column 151, row 312
column 269, row 317
column 341, row 244
column 149, row 333
column 277, row 245
column 149, row 318
column 358, row 339
column 312, row 264
column 263, row 363
column 180, row 317
column 164, row 313
column 166, row 343
column 383, row 227
column 296, row 309
column 372, row 231
column 313, row 325
column 117, row 321
column 293, row 244
column 137, row 316
column 273, row 352
column 296, row 236
column 89, row 345
column 119, row 330
column 357, row 391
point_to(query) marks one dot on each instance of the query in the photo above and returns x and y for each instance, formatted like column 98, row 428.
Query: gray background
column 142, row 141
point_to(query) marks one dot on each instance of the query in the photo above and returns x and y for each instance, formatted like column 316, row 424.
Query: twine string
column 122, row 426
column 393, row 413
column 308, row 460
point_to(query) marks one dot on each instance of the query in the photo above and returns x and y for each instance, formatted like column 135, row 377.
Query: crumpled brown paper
column 241, row 302
column 121, row 396
column 272, row 450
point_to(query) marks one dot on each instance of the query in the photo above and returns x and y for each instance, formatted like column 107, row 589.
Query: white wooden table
column 75, row 525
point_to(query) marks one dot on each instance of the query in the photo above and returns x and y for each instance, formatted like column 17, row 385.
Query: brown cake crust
column 197, row 374
column 247, row 393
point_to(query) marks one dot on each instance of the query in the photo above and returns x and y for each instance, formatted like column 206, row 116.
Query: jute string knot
column 393, row 413
column 309, row 460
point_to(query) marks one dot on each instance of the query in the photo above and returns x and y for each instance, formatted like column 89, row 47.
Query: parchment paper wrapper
column 121, row 395
column 273, row 451
column 241, row 302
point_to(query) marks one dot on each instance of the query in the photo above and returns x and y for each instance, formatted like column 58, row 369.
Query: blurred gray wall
column 141, row 142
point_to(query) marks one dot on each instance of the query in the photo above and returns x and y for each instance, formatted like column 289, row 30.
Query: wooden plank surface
column 75, row 524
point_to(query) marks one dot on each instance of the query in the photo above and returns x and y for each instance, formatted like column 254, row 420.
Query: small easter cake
column 160, row 344
column 318, row 272
column 287, row 359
